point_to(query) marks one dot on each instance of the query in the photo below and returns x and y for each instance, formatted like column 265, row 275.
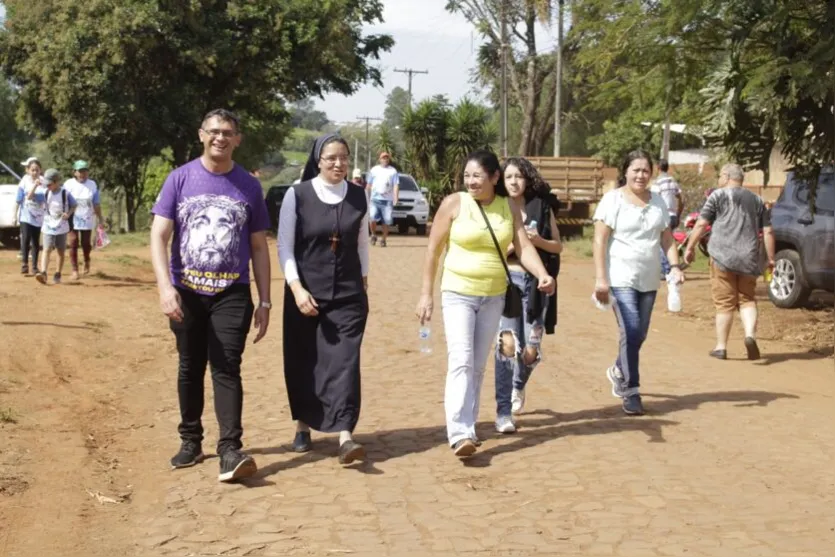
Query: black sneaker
column 191, row 453
column 235, row 465
column 632, row 405
column 24, row 270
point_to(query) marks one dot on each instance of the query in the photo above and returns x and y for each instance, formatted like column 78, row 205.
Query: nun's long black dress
column 322, row 353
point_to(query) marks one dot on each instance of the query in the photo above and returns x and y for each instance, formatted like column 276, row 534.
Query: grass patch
column 582, row 246
column 130, row 261
column 297, row 157
column 130, row 240
column 7, row 416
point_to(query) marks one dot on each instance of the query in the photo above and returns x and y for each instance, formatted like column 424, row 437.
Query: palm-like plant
column 469, row 129
column 385, row 142
column 424, row 129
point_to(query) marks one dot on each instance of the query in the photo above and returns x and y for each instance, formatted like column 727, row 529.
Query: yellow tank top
column 472, row 265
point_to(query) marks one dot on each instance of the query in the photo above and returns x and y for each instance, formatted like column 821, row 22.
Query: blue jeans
column 665, row 263
column 381, row 210
column 512, row 373
column 633, row 311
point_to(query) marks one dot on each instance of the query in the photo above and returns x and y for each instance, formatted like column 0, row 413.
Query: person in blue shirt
column 29, row 210
column 60, row 205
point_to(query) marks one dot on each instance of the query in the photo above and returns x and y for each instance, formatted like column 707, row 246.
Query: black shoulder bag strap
column 495, row 242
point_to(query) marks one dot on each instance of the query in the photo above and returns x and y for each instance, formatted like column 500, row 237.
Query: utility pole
column 558, row 102
column 357, row 153
column 367, row 144
column 411, row 72
column 503, row 55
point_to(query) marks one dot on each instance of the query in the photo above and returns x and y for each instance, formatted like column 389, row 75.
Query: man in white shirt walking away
column 384, row 186
column 669, row 190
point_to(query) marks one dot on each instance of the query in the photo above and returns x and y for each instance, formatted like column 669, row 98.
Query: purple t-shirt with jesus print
column 214, row 215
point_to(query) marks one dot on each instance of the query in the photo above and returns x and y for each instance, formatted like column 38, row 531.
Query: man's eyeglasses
column 214, row 134
column 332, row 159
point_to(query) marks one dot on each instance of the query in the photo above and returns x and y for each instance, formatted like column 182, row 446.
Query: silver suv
column 412, row 209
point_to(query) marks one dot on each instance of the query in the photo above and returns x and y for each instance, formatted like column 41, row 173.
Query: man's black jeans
column 214, row 331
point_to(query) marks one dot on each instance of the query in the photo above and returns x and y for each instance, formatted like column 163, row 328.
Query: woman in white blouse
column 630, row 228
column 323, row 252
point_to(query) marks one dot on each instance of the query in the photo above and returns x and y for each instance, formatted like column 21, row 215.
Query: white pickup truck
column 9, row 232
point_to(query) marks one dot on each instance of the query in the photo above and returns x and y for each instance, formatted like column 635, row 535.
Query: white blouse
column 327, row 193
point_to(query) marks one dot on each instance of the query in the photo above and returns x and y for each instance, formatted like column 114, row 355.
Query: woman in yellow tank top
column 473, row 285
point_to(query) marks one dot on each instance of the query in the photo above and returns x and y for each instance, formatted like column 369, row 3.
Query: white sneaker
column 517, row 400
column 504, row 424
column 615, row 377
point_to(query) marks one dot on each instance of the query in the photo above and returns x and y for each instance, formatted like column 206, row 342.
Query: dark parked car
column 274, row 197
column 805, row 258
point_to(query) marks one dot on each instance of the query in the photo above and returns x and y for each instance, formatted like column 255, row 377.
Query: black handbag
column 513, row 294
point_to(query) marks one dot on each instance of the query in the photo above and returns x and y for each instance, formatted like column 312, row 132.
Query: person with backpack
column 60, row 206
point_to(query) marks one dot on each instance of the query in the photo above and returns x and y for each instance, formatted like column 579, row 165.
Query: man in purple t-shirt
column 216, row 214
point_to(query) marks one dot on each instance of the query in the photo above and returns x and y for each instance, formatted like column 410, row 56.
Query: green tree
column 775, row 83
column 303, row 114
column 469, row 128
column 386, row 142
column 15, row 142
column 397, row 102
column 118, row 81
column 530, row 75
column 641, row 62
column 424, row 129
column 439, row 138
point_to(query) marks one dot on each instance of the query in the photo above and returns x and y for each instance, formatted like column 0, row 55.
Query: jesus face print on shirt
column 211, row 232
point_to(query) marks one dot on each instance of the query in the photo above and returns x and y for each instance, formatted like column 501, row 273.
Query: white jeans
column 470, row 324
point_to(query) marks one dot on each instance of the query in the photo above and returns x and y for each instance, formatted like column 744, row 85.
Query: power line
column 367, row 144
column 411, row 72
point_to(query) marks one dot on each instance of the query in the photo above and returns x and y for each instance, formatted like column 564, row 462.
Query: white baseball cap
column 357, row 173
column 30, row 160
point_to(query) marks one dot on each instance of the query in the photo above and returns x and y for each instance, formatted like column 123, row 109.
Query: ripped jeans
column 511, row 372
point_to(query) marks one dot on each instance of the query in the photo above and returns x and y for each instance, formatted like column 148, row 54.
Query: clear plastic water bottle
column 673, row 295
column 424, row 337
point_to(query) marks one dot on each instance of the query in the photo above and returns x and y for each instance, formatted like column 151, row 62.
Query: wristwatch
column 266, row 305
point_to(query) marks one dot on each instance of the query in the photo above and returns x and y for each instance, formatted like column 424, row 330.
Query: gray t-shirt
column 736, row 216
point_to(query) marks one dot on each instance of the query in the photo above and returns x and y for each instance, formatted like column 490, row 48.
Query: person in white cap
column 29, row 213
column 86, row 193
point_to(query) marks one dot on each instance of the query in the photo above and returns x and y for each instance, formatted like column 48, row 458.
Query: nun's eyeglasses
column 332, row 159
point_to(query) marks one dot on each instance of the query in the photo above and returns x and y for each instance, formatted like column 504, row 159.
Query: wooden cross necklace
column 335, row 236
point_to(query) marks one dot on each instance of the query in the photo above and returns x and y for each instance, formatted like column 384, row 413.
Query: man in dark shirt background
column 736, row 217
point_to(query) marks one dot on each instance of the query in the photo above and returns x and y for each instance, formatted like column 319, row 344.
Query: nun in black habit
column 323, row 251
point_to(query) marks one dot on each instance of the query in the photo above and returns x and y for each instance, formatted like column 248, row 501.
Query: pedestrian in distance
column 59, row 208
column 736, row 216
column 29, row 213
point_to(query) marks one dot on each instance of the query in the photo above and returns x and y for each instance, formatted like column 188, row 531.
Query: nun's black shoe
column 302, row 442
